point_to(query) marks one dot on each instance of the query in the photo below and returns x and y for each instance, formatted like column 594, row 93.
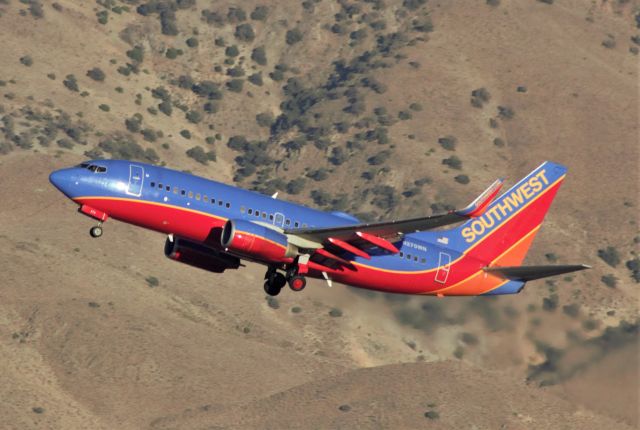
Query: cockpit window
column 92, row 167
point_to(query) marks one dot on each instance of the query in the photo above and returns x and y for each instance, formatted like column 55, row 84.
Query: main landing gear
column 96, row 231
column 274, row 281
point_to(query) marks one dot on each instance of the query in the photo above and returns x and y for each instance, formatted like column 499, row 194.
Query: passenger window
column 175, row 190
column 228, row 205
column 168, row 188
column 160, row 186
column 152, row 184
column 183, row 192
column 219, row 202
column 258, row 214
column 242, row 209
column 205, row 198
column 296, row 224
column 288, row 222
column 415, row 258
column 198, row 196
column 190, row 194
column 93, row 168
column 101, row 169
column 264, row 215
column 213, row 201
column 423, row 260
column 270, row 217
column 401, row 254
column 408, row 256
column 250, row 212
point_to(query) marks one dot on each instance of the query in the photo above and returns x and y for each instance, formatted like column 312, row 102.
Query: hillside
column 379, row 108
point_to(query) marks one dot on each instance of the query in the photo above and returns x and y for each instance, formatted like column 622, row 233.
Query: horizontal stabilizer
column 529, row 273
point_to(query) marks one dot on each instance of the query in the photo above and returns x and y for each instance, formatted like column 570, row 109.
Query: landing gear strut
column 96, row 231
column 273, row 281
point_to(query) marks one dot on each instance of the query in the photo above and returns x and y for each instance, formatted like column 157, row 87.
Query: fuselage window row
column 410, row 257
column 189, row 194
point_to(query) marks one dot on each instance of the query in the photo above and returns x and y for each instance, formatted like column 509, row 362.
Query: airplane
column 477, row 250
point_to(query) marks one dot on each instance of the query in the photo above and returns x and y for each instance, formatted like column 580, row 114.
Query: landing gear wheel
column 273, row 283
column 297, row 283
column 271, row 289
column 96, row 231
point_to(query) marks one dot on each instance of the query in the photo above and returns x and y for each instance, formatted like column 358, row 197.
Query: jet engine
column 256, row 241
column 199, row 255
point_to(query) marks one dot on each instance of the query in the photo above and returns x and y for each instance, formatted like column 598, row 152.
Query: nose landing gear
column 96, row 231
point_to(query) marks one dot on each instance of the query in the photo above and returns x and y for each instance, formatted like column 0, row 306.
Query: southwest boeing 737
column 213, row 226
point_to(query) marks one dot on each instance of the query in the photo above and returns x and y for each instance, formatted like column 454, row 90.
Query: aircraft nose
column 61, row 179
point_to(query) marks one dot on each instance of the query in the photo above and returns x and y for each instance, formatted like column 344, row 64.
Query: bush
column 259, row 56
column 231, row 51
column 338, row 156
column 634, row 266
column 335, row 312
column 318, row 175
column 380, row 158
column 572, row 310
column 235, row 72
column 103, row 17
column 479, row 97
column 165, row 107
column 200, row 155
column 136, row 54
column 448, row 143
column 296, row 186
column 235, row 85
column 26, row 61
column 245, row 33
column 505, row 112
column 172, row 53
column 453, row 162
column 236, row 14
column 498, row 142
column 192, row 42
column 610, row 256
column 185, row 133
column 194, row 116
column 293, row 36
column 462, row 179
column 260, row 13
column 96, row 74
column 256, row 79
column 152, row 281
column 104, row 107
column 432, row 415
column 71, row 83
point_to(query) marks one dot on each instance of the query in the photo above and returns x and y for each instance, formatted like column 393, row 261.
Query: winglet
column 478, row 206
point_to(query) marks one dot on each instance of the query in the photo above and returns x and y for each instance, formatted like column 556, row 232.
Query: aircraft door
column 278, row 219
column 136, row 177
column 444, row 264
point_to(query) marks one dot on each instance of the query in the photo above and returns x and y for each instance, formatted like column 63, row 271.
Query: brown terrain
column 110, row 334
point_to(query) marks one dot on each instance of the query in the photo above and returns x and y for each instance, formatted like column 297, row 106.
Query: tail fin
column 502, row 235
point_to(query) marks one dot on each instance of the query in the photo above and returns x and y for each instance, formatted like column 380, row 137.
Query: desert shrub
column 236, row 14
column 493, row 2
column 260, row 13
column 296, row 186
column 173, row 53
column 26, row 61
column 235, row 85
column 293, row 36
column 498, row 142
column 51, row 76
column 71, row 83
column 422, row 24
column 235, row 72
column 469, row 338
column 550, row 303
column 185, row 133
column 479, row 97
column 259, row 56
column 38, row 410
column 207, row 89
column 265, row 119
column 338, row 156
column 165, row 107
column 272, row 302
column 133, row 124
column 572, row 310
column 211, row 107
column 358, row 35
column 213, row 18
column 192, row 42
column 505, row 112
column 136, row 54
column 318, row 175
column 335, row 312
column 152, row 281
column 244, row 33
column 344, row 408
column 103, row 17
column 168, row 24
column 380, row 158
column 404, row 115
column 609, row 255
column 634, row 266
column 126, row 148
column 432, row 415
column 448, row 143
column 232, row 51
column 256, row 79
column 462, row 179
column 193, row 116
column 96, row 74
column 200, row 155
column 416, row 107
column 104, row 107
column 149, row 135
column 453, row 162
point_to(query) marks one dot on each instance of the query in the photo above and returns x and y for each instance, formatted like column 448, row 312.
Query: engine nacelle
column 198, row 255
column 256, row 241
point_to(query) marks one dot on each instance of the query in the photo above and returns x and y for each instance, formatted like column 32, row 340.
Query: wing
column 357, row 238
